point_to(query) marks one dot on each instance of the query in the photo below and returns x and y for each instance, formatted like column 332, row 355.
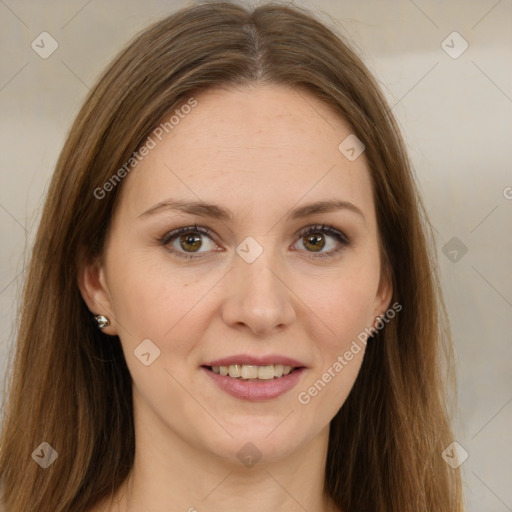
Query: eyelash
column 317, row 228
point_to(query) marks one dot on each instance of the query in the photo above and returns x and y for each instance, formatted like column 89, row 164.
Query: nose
column 258, row 298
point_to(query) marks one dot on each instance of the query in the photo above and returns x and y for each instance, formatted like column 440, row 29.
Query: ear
column 95, row 292
column 384, row 291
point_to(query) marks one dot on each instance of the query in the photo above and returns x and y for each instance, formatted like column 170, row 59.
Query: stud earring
column 101, row 321
column 375, row 326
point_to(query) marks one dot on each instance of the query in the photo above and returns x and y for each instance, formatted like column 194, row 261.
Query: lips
column 235, row 375
column 246, row 359
column 254, row 390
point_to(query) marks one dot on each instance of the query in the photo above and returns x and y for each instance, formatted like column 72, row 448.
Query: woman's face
column 267, row 287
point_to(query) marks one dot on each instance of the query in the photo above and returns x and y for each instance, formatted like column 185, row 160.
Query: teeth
column 249, row 371
column 235, row 370
column 266, row 372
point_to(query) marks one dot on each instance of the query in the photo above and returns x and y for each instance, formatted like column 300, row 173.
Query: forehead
column 251, row 149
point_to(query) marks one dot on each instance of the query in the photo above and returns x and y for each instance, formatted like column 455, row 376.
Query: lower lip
column 256, row 390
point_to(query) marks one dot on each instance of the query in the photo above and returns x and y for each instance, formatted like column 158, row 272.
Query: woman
column 232, row 302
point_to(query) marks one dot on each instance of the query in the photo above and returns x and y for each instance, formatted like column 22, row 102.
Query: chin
column 254, row 444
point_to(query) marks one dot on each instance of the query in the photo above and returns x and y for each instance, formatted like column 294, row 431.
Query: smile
column 253, row 372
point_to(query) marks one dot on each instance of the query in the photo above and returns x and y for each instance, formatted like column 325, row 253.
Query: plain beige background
column 455, row 114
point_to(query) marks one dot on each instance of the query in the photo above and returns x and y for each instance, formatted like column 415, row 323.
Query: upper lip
column 256, row 361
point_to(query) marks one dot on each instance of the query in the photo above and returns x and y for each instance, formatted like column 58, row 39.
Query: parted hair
column 69, row 384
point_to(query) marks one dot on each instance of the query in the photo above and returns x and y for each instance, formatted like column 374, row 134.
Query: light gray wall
column 456, row 118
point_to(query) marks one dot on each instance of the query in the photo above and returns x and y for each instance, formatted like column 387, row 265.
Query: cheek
column 343, row 303
column 343, row 307
column 152, row 299
column 346, row 309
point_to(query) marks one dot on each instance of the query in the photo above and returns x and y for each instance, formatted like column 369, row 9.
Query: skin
column 258, row 151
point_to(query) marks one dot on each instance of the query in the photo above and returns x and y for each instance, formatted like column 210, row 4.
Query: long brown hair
column 69, row 384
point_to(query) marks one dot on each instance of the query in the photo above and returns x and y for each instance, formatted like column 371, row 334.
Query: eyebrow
column 217, row 212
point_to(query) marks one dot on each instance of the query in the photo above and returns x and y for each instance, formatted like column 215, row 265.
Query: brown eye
column 186, row 241
column 317, row 238
column 190, row 242
column 315, row 242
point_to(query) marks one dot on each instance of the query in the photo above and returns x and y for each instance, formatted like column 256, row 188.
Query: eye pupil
column 316, row 241
column 191, row 240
